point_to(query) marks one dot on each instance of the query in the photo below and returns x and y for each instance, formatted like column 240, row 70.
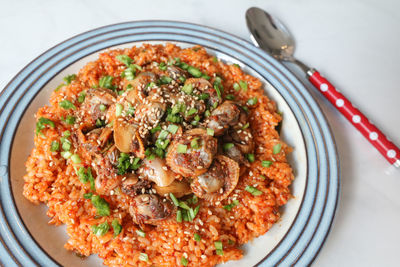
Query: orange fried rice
column 51, row 180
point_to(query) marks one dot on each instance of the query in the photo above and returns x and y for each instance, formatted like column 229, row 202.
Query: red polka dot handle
column 370, row 131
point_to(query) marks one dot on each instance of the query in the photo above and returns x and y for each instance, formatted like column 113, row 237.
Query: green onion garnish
column 106, row 82
column 197, row 237
column 236, row 86
column 277, row 148
column 252, row 101
column 246, row 126
column 55, row 146
column 194, row 144
column 179, row 216
column 102, row 107
column 81, row 97
column 117, row 227
column 230, row 97
column 156, row 129
column 165, row 80
column 163, row 66
column 252, row 190
column 66, row 104
column 243, row 85
column 118, row 109
column 191, row 111
column 141, row 233
column 75, row 158
column 124, row 59
column 143, row 257
column 204, row 96
column 163, row 134
column 228, row 146
column 194, row 71
column 181, row 148
column 219, row 248
column 100, row 229
column 66, row 154
column 250, row 157
column 172, row 128
column 233, row 204
column 184, row 261
column 187, row 88
column 183, row 205
column 174, row 199
column 210, row 131
column 101, row 205
column 69, row 78
column 266, row 163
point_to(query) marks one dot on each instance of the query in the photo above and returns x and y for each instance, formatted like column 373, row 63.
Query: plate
column 27, row 239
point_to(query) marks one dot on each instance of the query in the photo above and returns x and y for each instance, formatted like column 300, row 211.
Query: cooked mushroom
column 242, row 138
column 127, row 138
column 178, row 188
column 141, row 81
column 219, row 181
column 151, row 209
column 192, row 153
column 134, row 186
column 150, row 111
column 204, row 86
column 95, row 100
column 135, row 96
column 225, row 115
column 176, row 73
column 157, row 171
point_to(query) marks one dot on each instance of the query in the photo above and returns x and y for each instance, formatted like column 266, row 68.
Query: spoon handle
column 359, row 120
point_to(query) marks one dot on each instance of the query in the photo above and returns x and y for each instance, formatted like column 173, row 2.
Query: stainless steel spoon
column 272, row 36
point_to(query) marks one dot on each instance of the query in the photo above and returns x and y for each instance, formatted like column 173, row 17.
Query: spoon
column 272, row 36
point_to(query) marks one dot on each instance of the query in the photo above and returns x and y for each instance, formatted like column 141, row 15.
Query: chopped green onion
column 245, row 109
column 243, row 85
column 184, row 261
column 100, row 229
column 197, row 118
column 181, row 148
column 162, row 143
column 196, row 211
column 151, row 85
column 66, row 154
column 205, row 76
column 75, row 158
column 228, row 146
column 141, row 233
column 66, row 145
column 66, row 104
column 194, row 144
column 263, row 177
column 252, row 190
column 266, row 163
column 191, row 111
column 219, row 248
column 101, row 205
column 204, row 96
column 183, row 205
column 69, row 78
column 252, row 101
column 174, row 199
column 88, row 195
column 143, row 257
column 70, row 119
column 250, row 157
column 106, row 82
column 163, row 66
column 179, row 216
column 124, row 59
column 81, row 97
column 66, row 133
column 117, row 227
column 165, row 80
column 231, row 242
column 218, row 90
column 118, row 109
column 207, row 113
column 182, row 79
column 55, row 146
column 187, row 88
column 236, row 65
column 172, row 128
column 102, row 107
column 214, row 59
column 100, row 123
column 163, row 134
column 246, row 126
column 236, row 86
column 156, row 129
column 230, row 97
column 277, row 148
column 197, row 237
column 195, row 72
column 58, row 87
column 233, row 204
column 210, row 131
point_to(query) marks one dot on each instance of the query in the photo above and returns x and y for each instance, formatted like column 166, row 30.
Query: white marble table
column 354, row 43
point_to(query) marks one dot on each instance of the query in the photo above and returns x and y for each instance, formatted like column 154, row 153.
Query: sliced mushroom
column 127, row 138
column 134, row 186
column 150, row 111
column 242, row 138
column 93, row 101
column 225, row 115
column 176, row 73
column 178, row 188
column 187, row 159
column 157, row 171
column 219, row 181
column 204, row 86
column 152, row 209
column 141, row 81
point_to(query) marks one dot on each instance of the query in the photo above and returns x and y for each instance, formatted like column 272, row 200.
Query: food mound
column 159, row 156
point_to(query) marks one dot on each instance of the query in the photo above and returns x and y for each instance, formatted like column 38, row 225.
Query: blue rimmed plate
column 27, row 240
